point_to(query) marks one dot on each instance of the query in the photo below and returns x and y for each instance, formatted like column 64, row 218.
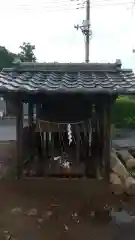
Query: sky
column 49, row 25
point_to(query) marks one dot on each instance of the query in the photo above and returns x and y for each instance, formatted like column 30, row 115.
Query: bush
column 123, row 112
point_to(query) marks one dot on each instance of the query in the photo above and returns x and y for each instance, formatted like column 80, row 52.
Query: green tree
column 6, row 58
column 27, row 52
column 123, row 112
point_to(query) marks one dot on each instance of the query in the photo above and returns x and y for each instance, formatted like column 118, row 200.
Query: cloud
column 56, row 39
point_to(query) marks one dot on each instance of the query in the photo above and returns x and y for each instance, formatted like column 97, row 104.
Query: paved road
column 8, row 129
column 124, row 139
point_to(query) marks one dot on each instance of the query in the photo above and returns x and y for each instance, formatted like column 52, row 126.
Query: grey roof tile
column 67, row 77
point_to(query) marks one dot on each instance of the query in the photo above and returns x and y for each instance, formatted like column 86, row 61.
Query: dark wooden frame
column 104, row 117
column 19, row 131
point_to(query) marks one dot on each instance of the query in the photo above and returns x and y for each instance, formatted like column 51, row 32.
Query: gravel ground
column 64, row 209
column 55, row 210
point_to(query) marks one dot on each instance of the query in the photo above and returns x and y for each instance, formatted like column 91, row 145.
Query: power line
column 57, row 5
column 72, row 8
column 113, row 4
column 86, row 28
column 87, row 43
column 75, row 2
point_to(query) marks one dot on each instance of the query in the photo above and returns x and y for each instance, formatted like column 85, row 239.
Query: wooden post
column 40, row 143
column 94, row 144
column 100, row 137
column 107, row 139
column 19, row 131
column 77, row 144
column 47, row 146
column 52, row 146
column 38, row 107
column 31, row 132
column 88, row 165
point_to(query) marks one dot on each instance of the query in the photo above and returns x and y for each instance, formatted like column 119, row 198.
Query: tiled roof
column 82, row 77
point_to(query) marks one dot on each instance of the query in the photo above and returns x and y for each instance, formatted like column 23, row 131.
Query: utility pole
column 87, row 43
column 86, row 30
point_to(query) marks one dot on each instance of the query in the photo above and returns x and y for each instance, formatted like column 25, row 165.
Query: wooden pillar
column 94, row 144
column 31, row 132
column 88, row 162
column 77, row 144
column 100, row 137
column 40, row 143
column 41, row 153
column 52, row 146
column 19, row 131
column 38, row 106
column 107, row 139
column 47, row 146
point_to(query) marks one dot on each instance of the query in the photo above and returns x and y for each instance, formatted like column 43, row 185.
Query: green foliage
column 123, row 113
column 6, row 58
column 27, row 52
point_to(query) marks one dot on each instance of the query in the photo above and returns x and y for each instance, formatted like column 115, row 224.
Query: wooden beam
column 19, row 143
